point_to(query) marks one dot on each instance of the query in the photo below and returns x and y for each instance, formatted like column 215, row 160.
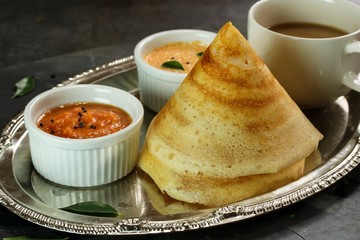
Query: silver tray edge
column 229, row 213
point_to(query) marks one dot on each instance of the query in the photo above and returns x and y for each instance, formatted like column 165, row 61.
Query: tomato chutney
column 83, row 120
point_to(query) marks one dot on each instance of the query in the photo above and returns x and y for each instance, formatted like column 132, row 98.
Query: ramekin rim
column 73, row 143
column 169, row 76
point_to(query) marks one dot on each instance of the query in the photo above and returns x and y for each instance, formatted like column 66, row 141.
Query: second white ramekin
column 156, row 85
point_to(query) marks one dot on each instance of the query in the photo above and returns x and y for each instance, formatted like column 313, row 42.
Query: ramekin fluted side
column 90, row 161
column 155, row 92
column 95, row 166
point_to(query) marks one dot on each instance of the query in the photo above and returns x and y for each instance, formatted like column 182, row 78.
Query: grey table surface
column 55, row 40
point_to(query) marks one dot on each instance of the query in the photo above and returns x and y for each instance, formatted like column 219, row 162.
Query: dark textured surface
column 32, row 30
column 54, row 40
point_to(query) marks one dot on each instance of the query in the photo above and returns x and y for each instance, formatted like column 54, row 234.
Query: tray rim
column 213, row 217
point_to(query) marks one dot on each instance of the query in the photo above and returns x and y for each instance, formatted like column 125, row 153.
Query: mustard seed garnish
column 41, row 124
column 79, row 114
column 52, row 131
column 52, row 120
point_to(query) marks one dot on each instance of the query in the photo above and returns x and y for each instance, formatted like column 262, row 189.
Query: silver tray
column 143, row 208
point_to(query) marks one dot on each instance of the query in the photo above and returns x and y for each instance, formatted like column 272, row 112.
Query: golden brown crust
column 163, row 203
column 210, row 191
column 228, row 119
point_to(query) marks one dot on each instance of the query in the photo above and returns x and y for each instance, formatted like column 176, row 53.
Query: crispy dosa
column 229, row 132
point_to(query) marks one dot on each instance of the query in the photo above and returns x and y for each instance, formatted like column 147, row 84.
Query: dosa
column 229, row 132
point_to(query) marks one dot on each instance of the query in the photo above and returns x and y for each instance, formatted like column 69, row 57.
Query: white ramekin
column 84, row 162
column 156, row 86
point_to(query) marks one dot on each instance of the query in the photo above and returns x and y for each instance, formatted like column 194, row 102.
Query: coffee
column 308, row 30
column 314, row 69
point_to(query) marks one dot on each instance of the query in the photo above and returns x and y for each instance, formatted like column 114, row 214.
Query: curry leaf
column 24, row 86
column 92, row 209
column 173, row 65
column 199, row 54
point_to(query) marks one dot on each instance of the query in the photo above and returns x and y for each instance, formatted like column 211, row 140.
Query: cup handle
column 351, row 79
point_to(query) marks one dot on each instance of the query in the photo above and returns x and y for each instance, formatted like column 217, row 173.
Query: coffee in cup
column 307, row 30
column 311, row 46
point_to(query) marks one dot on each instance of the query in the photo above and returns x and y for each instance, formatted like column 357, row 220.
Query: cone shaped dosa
column 229, row 132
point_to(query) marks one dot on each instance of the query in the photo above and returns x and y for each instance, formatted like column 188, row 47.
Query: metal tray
column 143, row 208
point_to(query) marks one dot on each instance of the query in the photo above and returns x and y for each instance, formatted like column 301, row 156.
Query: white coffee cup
column 314, row 71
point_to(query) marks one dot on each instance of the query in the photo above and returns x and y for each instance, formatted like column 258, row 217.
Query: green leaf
column 32, row 238
column 199, row 54
column 92, row 209
column 173, row 65
column 24, row 86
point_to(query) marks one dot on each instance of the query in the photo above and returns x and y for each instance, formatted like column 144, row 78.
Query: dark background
column 33, row 30
column 55, row 40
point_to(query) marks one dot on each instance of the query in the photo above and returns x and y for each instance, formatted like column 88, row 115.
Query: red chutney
column 84, row 120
